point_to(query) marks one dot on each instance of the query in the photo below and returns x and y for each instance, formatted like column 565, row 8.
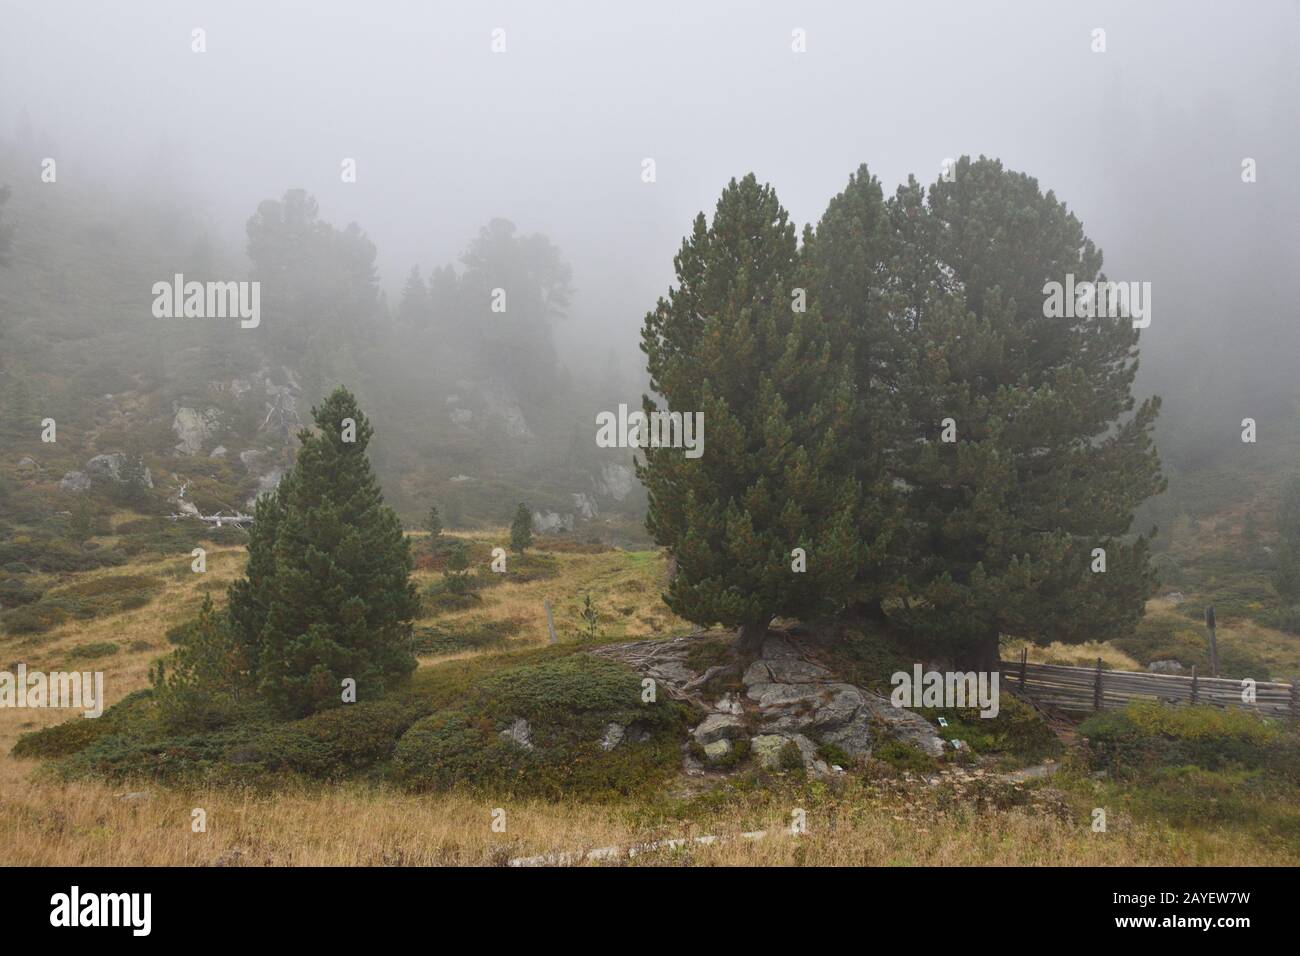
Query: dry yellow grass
column 1074, row 655
column 1281, row 651
column 45, row 822
column 625, row 588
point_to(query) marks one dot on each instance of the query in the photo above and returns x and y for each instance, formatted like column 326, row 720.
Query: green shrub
column 85, row 600
column 1165, row 639
column 789, row 757
column 333, row 743
column 1146, row 735
column 54, row 555
column 466, row 635
column 449, row 749
column 15, row 593
column 92, row 651
column 128, row 714
column 184, row 759
column 34, row 618
column 568, row 703
column 1016, row 734
column 903, row 756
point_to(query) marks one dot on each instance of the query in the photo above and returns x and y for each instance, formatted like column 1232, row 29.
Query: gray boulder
column 720, row 726
column 75, row 482
column 613, row 736
column 193, row 428
column 519, row 733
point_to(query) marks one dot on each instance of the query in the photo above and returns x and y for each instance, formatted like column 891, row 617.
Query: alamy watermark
column 658, row 430
column 83, row 690
column 950, row 689
column 1100, row 300
column 75, row 908
column 179, row 299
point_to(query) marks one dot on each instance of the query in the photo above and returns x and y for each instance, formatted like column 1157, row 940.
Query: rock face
column 788, row 698
column 74, row 482
column 519, row 733
column 720, row 727
column 110, row 467
column 614, row 734
column 257, row 463
column 193, row 428
column 615, row 481
column 544, row 521
column 1165, row 667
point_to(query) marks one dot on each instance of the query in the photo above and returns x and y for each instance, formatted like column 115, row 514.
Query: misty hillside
column 478, row 408
column 688, row 435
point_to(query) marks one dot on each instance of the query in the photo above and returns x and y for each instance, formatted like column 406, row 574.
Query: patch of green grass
column 1162, row 638
column 98, row 597
column 903, row 756
column 78, row 733
column 1147, row 735
column 475, row 634
column 1017, row 735
column 568, row 703
column 867, row 656
column 93, row 651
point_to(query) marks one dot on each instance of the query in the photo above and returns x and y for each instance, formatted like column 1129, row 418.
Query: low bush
column 1146, row 735
column 126, row 716
column 568, row 704
column 334, row 743
column 93, row 651
column 475, row 634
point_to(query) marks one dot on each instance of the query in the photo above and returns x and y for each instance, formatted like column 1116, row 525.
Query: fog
column 1144, row 141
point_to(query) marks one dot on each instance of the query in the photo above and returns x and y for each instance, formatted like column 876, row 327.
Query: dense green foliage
column 925, row 430
column 327, row 595
column 569, row 704
column 734, row 341
column 521, row 529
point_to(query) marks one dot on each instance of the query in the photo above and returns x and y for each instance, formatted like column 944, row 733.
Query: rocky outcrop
column 194, row 428
column 544, row 521
column 110, row 467
column 258, row 462
column 519, row 733
column 74, row 482
column 789, row 698
column 615, row 481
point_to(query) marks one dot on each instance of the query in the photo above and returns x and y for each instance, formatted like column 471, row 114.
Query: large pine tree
column 1052, row 453
column 730, row 342
column 851, row 260
column 327, row 593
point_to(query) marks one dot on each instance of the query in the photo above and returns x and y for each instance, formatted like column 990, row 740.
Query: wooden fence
column 1092, row 688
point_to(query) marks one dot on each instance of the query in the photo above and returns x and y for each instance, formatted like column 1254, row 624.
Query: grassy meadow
column 884, row 813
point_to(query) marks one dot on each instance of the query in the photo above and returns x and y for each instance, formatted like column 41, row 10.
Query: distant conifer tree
column 327, row 593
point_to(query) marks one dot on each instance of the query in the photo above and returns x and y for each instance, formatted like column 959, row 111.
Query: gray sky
column 1144, row 141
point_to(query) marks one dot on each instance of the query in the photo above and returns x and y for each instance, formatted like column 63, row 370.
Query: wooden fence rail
column 1092, row 688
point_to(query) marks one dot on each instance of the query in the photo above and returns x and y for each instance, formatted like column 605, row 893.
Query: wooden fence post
column 1214, row 644
column 1024, row 656
column 1295, row 697
column 1194, row 688
column 1096, row 689
column 550, row 624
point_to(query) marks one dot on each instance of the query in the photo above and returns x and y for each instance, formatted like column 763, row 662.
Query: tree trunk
column 749, row 640
column 984, row 655
column 871, row 610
